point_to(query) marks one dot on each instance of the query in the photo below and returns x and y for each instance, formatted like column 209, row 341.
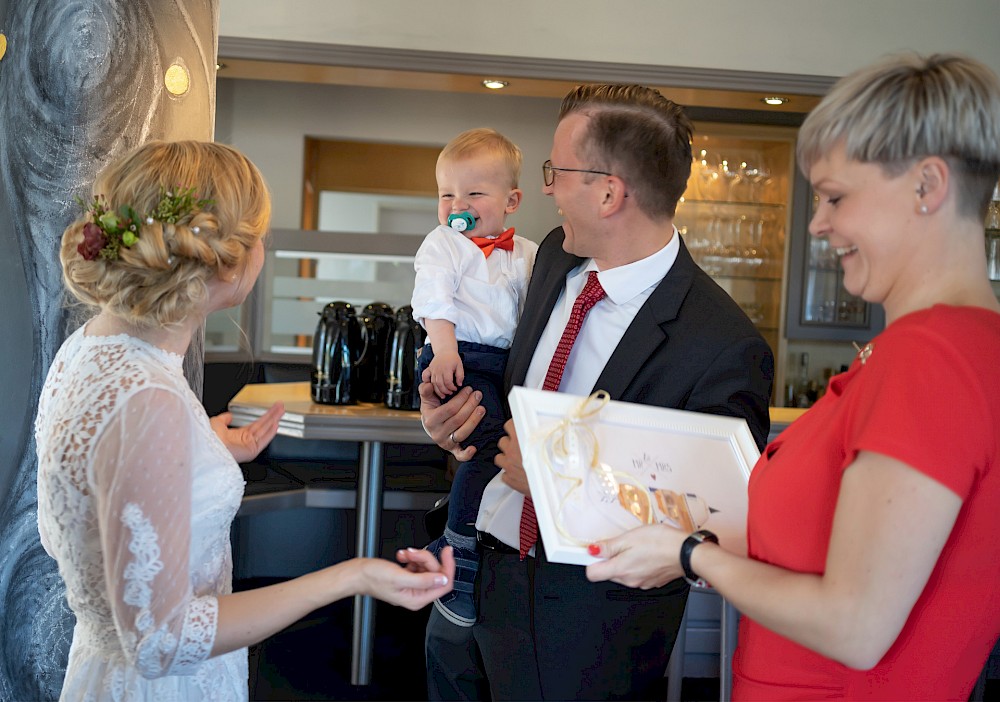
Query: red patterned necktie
column 504, row 241
column 592, row 293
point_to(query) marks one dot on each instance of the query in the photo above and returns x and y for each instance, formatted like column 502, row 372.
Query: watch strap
column 698, row 537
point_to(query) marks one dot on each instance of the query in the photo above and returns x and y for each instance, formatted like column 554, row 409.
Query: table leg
column 675, row 666
column 369, row 517
column 728, row 624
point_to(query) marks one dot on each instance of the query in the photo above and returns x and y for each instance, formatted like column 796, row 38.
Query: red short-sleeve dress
column 928, row 394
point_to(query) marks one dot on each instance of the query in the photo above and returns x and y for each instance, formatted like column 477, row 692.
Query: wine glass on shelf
column 694, row 236
column 707, row 174
column 730, row 174
column 756, row 252
column 734, row 252
column 713, row 250
column 756, row 174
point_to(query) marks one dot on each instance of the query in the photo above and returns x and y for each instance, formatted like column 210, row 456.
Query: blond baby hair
column 489, row 141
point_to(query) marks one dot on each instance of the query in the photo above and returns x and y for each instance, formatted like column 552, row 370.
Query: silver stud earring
column 923, row 208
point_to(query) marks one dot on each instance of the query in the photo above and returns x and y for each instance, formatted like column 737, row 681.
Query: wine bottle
column 805, row 394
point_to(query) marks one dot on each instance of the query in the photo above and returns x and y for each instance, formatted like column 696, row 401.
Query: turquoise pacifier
column 461, row 221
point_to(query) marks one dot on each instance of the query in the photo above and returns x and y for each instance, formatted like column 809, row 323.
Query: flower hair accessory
column 110, row 230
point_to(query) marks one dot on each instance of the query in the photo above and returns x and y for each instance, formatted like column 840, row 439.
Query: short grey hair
column 907, row 107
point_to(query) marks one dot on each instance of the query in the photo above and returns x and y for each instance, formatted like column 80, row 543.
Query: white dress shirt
column 627, row 287
column 481, row 295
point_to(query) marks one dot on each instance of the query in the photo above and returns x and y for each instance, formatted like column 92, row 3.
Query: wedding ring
column 453, row 439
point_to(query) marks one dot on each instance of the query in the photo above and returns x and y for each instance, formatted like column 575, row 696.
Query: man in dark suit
column 664, row 334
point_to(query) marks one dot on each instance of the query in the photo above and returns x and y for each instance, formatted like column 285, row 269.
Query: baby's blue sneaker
column 458, row 606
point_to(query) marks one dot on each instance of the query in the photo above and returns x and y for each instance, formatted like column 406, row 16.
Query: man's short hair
column 638, row 135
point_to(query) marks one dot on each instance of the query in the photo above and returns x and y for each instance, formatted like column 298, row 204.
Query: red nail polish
column 594, row 549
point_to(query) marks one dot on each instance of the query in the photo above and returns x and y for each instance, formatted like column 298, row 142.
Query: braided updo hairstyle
column 163, row 278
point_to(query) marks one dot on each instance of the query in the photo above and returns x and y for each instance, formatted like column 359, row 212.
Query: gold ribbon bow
column 569, row 441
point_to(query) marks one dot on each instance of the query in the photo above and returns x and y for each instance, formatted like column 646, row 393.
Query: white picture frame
column 597, row 468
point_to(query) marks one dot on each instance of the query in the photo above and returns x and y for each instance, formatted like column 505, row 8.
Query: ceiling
column 241, row 67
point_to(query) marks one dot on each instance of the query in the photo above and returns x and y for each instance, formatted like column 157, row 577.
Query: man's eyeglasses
column 549, row 172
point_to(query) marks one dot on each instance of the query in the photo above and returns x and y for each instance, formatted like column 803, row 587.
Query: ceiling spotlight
column 774, row 100
column 495, row 84
column 219, row 66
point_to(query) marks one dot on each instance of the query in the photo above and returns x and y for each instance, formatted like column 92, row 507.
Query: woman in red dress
column 872, row 527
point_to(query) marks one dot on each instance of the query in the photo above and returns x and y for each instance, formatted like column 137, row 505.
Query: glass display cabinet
column 735, row 213
column 745, row 218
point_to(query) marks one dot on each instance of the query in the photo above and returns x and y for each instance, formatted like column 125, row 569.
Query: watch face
column 705, row 535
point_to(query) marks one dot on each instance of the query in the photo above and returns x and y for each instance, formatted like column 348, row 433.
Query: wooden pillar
column 80, row 83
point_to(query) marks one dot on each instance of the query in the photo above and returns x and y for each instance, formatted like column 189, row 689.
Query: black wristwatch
column 687, row 547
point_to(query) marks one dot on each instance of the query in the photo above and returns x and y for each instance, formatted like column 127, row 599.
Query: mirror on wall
column 376, row 213
column 364, row 168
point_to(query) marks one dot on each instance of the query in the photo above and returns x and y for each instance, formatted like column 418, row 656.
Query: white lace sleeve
column 142, row 482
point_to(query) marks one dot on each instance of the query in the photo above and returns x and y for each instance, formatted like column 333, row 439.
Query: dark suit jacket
column 689, row 347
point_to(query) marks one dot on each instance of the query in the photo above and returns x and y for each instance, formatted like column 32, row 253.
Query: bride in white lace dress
column 137, row 487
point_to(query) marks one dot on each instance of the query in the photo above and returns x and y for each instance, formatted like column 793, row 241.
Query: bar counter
column 306, row 419
column 370, row 425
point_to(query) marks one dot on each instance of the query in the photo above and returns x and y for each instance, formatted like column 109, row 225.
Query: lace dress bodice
column 136, row 495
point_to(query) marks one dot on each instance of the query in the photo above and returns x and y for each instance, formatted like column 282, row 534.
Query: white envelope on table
column 597, row 468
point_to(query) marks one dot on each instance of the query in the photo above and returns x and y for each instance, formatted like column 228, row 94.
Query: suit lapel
column 648, row 331
column 644, row 336
column 547, row 282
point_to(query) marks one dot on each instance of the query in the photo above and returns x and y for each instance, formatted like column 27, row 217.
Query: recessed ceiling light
column 495, row 84
column 774, row 100
column 219, row 66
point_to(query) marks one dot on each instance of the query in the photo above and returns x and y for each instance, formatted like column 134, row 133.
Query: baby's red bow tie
column 505, row 241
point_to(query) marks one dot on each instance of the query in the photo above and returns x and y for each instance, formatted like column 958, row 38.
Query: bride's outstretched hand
column 423, row 580
column 245, row 443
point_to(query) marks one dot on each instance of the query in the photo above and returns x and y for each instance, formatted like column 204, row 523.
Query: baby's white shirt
column 481, row 295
